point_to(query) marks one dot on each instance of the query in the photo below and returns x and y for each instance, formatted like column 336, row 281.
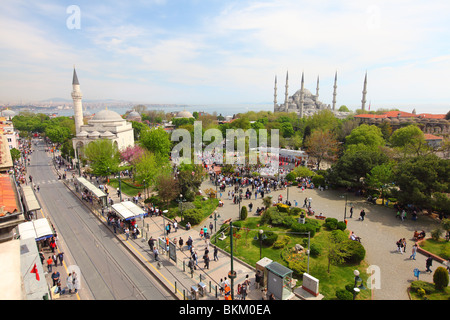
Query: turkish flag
column 35, row 270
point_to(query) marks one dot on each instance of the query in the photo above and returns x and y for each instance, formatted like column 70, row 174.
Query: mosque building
column 305, row 104
column 106, row 124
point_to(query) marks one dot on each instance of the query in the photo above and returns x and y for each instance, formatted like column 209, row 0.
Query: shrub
column 421, row 292
column 318, row 180
column 338, row 235
column 270, row 239
column 426, row 286
column 154, row 200
column 341, row 225
column 298, row 267
column 295, row 211
column 277, row 217
column 283, row 208
column 304, row 228
column 244, row 213
column 440, row 278
column 288, row 221
column 331, row 223
column 281, row 243
column 436, row 233
column 356, row 250
column 343, row 294
column 194, row 216
column 314, row 249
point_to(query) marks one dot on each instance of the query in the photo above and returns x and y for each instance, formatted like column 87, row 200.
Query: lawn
column 127, row 186
column 248, row 247
column 440, row 248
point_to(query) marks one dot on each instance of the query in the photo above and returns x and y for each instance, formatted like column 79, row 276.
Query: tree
column 15, row 154
column 148, row 167
column 243, row 213
column 156, row 141
column 440, row 278
column 409, row 140
column 167, row 187
column 343, row 108
column 190, row 178
column 104, row 157
column 287, row 130
column 354, row 165
column 321, row 145
column 418, row 178
column 338, row 251
column 380, row 176
column 368, row 135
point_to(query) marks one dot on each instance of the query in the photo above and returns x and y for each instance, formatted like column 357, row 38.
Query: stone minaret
column 317, row 89
column 275, row 96
column 286, row 95
column 77, row 106
column 302, row 94
column 364, row 92
column 334, row 91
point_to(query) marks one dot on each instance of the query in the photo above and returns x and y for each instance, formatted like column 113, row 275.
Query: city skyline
column 228, row 52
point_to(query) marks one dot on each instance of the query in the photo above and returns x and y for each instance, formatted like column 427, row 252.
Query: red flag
column 35, row 270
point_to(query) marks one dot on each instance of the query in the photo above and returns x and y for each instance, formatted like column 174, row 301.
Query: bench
column 321, row 217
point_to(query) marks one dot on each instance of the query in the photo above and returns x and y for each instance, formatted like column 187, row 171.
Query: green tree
column 368, row 135
column 409, row 140
column 355, row 164
column 156, row 141
column 343, row 108
column 287, row 130
column 104, row 157
column 418, row 178
column 15, row 154
column 167, row 188
column 380, row 176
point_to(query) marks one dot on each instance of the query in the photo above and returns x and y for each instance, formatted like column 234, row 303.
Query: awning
column 95, row 190
column 128, row 210
column 29, row 199
column 38, row 229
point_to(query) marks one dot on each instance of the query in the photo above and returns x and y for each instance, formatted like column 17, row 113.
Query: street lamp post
column 120, row 187
column 260, row 243
column 181, row 206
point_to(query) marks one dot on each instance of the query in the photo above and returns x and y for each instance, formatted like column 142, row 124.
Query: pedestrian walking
column 151, row 243
column 211, row 227
column 155, row 253
column 399, row 244
column 49, row 264
column 55, row 259
column 362, row 214
column 180, row 243
column 351, row 211
column 127, row 233
column 413, row 252
column 61, row 258
column 244, row 291
column 175, row 225
column 216, row 252
column 206, row 260
column 168, row 228
column 429, row 263
column 404, row 245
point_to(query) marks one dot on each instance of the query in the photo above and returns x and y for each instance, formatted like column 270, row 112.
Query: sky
column 228, row 52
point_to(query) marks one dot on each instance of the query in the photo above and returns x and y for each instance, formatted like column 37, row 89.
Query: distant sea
column 223, row 109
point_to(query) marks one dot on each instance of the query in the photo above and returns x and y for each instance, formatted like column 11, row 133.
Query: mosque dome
column 107, row 115
column 184, row 114
column 8, row 113
column 82, row 134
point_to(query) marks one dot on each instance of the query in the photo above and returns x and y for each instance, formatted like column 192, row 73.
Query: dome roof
column 82, row 134
column 184, row 114
column 8, row 113
column 133, row 114
column 107, row 115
